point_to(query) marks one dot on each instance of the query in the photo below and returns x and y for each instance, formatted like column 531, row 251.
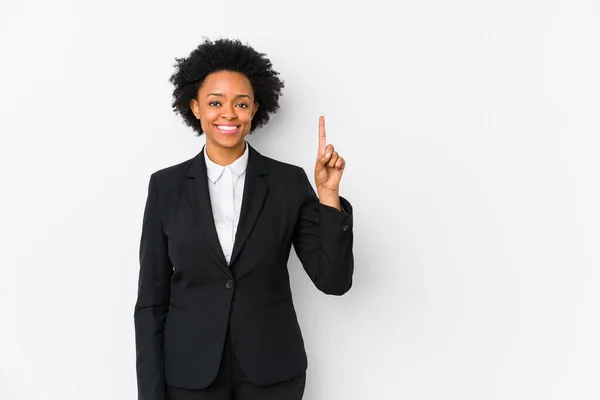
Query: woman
column 214, row 317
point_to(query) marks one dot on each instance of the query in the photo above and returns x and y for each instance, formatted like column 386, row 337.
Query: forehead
column 226, row 82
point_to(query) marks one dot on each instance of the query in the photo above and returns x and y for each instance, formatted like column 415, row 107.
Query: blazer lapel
column 253, row 198
column 200, row 200
column 256, row 188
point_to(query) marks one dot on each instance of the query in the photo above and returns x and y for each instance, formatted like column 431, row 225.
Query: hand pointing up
column 329, row 166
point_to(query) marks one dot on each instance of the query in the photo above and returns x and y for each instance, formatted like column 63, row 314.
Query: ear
column 255, row 108
column 195, row 108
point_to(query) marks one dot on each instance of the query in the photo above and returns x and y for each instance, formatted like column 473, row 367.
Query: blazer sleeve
column 152, row 302
column 323, row 240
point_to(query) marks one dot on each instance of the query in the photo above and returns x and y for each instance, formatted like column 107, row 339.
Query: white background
column 470, row 130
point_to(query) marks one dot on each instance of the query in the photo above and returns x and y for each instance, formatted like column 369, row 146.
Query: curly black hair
column 225, row 55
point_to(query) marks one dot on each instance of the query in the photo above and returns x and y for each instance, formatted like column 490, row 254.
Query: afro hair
column 225, row 55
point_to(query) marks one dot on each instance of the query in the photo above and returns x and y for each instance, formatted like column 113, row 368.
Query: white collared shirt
column 226, row 187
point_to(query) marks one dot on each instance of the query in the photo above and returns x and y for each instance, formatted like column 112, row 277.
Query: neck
column 224, row 155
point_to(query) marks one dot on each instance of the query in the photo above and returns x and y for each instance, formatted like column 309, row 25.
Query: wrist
column 331, row 199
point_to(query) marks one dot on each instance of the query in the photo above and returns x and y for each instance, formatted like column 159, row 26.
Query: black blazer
column 188, row 295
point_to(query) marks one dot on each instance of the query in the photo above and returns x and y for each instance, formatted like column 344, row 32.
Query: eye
column 213, row 102
column 243, row 105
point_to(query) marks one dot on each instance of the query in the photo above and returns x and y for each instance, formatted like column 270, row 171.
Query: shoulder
column 171, row 174
column 290, row 178
column 283, row 169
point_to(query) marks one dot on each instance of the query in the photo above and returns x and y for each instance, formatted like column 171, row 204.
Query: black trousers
column 232, row 384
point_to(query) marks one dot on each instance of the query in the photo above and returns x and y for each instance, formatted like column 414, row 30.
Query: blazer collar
column 214, row 170
column 255, row 192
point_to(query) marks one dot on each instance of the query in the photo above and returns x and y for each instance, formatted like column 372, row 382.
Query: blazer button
column 229, row 284
column 345, row 228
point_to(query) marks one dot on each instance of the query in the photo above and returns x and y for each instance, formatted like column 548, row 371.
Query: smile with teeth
column 227, row 128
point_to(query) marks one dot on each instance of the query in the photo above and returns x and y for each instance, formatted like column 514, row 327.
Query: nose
column 228, row 111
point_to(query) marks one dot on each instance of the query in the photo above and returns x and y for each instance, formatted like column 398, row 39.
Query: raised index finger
column 322, row 136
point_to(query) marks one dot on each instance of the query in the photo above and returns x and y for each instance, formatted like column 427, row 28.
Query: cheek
column 246, row 116
column 207, row 116
column 205, row 126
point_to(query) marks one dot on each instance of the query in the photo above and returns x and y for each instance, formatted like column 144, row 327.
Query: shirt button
column 229, row 284
column 345, row 228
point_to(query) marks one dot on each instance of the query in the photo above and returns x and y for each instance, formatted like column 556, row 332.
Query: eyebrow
column 221, row 95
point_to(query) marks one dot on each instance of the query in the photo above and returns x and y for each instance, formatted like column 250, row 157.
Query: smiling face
column 225, row 106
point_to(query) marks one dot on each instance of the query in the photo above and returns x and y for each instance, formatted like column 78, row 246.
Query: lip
column 228, row 132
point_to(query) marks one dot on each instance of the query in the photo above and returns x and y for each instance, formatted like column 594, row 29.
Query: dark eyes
column 216, row 103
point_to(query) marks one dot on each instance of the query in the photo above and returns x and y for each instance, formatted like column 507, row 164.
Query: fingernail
column 327, row 155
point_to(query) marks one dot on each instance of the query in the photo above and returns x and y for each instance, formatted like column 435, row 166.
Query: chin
column 231, row 144
column 229, row 141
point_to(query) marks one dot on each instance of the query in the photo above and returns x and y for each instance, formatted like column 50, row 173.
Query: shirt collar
column 238, row 167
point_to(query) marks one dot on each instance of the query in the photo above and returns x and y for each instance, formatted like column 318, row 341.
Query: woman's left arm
column 323, row 238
